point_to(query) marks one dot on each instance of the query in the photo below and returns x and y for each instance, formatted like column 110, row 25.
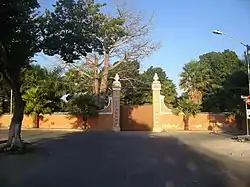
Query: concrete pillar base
column 116, row 129
column 157, row 129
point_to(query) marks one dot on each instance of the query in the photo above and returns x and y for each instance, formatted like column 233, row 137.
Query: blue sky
column 184, row 28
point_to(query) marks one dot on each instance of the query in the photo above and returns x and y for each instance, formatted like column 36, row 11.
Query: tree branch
column 75, row 67
column 6, row 78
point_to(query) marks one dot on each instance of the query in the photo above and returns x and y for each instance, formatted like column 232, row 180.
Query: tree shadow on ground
column 124, row 159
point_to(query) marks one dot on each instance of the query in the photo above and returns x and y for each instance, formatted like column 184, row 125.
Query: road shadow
column 124, row 159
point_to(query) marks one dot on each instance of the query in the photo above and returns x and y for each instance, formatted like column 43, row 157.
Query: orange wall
column 202, row 121
column 136, row 118
column 132, row 118
column 62, row 121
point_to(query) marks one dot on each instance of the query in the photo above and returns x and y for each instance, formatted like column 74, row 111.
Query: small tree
column 39, row 90
column 188, row 108
column 83, row 105
column 36, row 103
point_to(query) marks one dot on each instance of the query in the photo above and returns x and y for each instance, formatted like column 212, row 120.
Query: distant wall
column 156, row 117
column 140, row 118
column 62, row 121
column 133, row 118
column 136, row 118
column 202, row 121
column 102, row 121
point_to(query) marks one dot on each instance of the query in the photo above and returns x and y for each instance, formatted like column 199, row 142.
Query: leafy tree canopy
column 71, row 29
column 168, row 87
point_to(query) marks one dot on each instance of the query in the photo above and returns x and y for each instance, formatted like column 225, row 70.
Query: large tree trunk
column 14, row 139
column 104, row 81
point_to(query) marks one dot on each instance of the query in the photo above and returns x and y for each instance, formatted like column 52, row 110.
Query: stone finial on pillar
column 156, row 87
column 116, row 87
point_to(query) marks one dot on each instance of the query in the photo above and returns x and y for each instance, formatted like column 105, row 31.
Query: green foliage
column 136, row 87
column 111, row 30
column 168, row 88
column 73, row 82
column 216, row 81
column 36, row 101
column 227, row 82
column 187, row 107
column 220, row 65
column 194, row 79
column 31, row 76
column 19, row 41
column 71, row 29
column 131, row 93
column 40, row 90
column 19, row 36
column 83, row 105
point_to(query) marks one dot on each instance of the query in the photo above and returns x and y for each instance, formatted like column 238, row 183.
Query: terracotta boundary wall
column 107, row 118
column 156, row 117
column 136, row 121
column 202, row 121
column 164, row 119
column 136, row 118
column 140, row 118
column 102, row 121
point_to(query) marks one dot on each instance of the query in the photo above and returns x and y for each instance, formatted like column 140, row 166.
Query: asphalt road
column 109, row 159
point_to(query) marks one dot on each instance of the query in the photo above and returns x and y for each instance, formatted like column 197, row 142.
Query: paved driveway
column 109, row 159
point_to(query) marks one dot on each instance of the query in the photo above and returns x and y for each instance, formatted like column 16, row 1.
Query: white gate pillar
column 116, row 87
column 156, row 87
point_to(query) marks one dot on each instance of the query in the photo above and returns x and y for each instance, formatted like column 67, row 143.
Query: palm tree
column 40, row 89
column 194, row 80
column 188, row 108
column 36, row 103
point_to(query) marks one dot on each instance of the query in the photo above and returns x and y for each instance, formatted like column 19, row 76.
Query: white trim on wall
column 110, row 104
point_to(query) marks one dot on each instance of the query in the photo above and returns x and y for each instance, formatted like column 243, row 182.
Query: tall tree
column 221, row 66
column 125, row 37
column 194, row 79
column 133, row 45
column 131, row 93
column 19, row 40
column 70, row 29
column 168, row 87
